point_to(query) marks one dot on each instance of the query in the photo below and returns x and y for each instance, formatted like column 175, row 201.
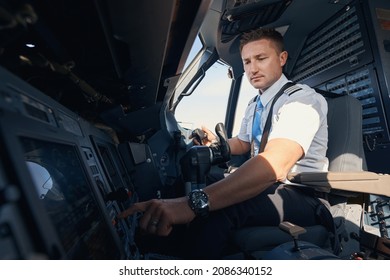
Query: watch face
column 198, row 202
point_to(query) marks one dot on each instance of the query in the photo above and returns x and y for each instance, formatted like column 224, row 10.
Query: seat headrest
column 345, row 144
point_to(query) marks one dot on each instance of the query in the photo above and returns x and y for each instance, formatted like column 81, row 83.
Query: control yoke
column 196, row 163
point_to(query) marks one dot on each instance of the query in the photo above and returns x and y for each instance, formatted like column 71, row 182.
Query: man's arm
column 256, row 174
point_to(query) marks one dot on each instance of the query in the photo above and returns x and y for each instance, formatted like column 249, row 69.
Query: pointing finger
column 137, row 207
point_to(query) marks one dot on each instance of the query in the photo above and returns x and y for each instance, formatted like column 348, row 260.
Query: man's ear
column 283, row 58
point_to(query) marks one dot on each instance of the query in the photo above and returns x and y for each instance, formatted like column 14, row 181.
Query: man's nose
column 253, row 68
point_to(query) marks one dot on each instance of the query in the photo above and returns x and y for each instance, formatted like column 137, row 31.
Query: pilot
column 256, row 194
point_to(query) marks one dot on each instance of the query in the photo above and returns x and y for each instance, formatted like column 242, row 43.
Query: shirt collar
column 270, row 92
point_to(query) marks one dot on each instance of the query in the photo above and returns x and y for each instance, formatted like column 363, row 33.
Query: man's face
column 262, row 63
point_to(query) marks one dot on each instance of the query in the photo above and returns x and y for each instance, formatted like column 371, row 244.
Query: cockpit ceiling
column 121, row 51
column 241, row 18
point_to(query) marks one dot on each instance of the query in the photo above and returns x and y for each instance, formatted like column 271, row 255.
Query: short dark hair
column 262, row 33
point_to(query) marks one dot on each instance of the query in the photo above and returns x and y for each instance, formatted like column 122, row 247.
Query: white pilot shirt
column 301, row 117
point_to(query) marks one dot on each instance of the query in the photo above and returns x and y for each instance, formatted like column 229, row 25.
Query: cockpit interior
column 95, row 97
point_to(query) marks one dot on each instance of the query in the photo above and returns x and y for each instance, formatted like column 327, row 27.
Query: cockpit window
column 196, row 48
column 207, row 104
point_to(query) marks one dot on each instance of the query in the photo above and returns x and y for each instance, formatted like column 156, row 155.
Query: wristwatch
column 198, row 201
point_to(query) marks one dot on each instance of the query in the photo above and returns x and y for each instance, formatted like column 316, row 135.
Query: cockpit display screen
column 63, row 188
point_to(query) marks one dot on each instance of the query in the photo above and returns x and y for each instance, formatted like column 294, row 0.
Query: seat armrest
column 362, row 181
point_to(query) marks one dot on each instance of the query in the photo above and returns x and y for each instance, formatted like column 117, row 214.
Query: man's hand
column 207, row 140
column 159, row 215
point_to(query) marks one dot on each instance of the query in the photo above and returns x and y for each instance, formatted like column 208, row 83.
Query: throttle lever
column 220, row 150
column 223, row 139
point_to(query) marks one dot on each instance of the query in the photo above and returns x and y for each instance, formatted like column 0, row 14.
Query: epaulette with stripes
column 292, row 89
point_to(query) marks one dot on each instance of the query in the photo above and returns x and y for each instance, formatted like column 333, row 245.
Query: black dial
column 199, row 203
